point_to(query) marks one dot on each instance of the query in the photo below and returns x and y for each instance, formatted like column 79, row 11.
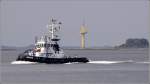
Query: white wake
column 109, row 62
column 22, row 62
column 72, row 63
column 91, row 62
column 143, row 62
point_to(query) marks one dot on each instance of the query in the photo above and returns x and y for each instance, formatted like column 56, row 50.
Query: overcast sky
column 108, row 22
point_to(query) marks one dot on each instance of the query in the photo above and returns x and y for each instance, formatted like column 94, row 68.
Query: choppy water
column 126, row 66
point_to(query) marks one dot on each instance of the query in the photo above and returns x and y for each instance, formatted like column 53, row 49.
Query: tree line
column 135, row 43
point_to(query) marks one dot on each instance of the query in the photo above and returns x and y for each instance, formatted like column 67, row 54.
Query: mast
column 54, row 27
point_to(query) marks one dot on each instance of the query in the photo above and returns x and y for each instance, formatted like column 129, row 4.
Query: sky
column 109, row 22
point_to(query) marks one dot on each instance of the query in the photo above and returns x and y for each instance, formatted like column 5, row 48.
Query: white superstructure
column 47, row 46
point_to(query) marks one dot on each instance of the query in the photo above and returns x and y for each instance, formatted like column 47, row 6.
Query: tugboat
column 47, row 49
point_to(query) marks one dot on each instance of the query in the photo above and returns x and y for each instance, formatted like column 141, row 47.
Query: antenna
column 54, row 27
column 83, row 31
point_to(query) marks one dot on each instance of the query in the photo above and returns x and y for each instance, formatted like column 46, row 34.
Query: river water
column 123, row 66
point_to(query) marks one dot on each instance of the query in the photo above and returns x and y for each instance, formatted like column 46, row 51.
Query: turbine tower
column 83, row 31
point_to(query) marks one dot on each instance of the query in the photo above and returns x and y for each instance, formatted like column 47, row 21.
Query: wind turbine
column 83, row 31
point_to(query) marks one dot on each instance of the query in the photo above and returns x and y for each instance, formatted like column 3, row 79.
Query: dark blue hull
column 53, row 60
